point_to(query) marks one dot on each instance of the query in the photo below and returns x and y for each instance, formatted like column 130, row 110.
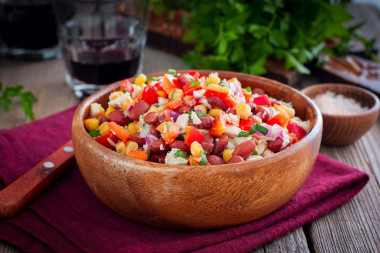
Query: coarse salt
column 331, row 103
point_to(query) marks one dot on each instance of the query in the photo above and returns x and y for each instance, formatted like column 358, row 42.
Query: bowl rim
column 372, row 110
column 153, row 166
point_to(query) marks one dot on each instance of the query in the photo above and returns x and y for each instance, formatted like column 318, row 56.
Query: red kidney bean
column 151, row 118
column 220, row 144
column 103, row 119
column 258, row 91
column 276, row 145
column 182, row 109
column 206, row 122
column 232, row 111
column 215, row 160
column 157, row 158
column 118, row 117
column 262, row 113
column 153, row 131
column 183, row 79
column 180, row 145
column 245, row 149
column 159, row 146
column 208, row 143
column 236, row 159
column 253, row 107
column 139, row 109
column 136, row 138
column 161, row 118
column 217, row 103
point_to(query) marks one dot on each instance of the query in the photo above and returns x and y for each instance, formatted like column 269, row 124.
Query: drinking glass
column 28, row 29
column 102, row 41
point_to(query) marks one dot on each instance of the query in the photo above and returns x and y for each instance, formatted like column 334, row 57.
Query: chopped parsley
column 201, row 114
column 248, row 89
column 167, row 125
column 183, row 164
column 243, row 134
column 193, row 84
column 195, row 164
column 258, row 128
column 152, row 79
column 254, row 152
column 94, row 133
column 172, row 72
column 180, row 153
column 124, row 91
column 207, row 80
column 203, row 158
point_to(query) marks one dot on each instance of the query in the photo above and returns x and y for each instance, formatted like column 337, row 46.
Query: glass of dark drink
column 28, row 29
column 102, row 41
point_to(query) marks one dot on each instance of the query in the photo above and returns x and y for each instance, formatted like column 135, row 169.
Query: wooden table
column 354, row 227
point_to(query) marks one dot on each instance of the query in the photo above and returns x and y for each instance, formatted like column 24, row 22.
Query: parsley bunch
column 26, row 98
column 242, row 35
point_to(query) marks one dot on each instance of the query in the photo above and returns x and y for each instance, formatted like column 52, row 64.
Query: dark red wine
column 28, row 27
column 103, row 67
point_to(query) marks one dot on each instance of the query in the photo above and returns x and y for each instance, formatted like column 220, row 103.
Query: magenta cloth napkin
column 67, row 217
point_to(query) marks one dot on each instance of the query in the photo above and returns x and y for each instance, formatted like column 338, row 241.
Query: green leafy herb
column 243, row 134
column 195, row 164
column 201, row 114
column 94, row 133
column 172, row 72
column 180, row 153
column 144, row 124
column 193, row 84
column 258, row 128
column 171, row 96
column 152, row 78
column 208, row 81
column 124, row 91
column 248, row 89
column 183, row 164
column 254, row 152
column 203, row 158
column 26, row 98
column 167, row 125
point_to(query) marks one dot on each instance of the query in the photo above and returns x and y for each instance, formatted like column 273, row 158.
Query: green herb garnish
column 208, row 81
column 26, row 99
column 172, row 72
column 180, row 153
column 254, row 152
column 167, row 125
column 192, row 84
column 94, row 133
column 243, row 134
column 258, row 128
column 195, row 164
column 124, row 91
column 248, row 89
column 171, row 96
column 203, row 158
column 152, row 78
column 144, row 124
column 183, row 164
column 201, row 114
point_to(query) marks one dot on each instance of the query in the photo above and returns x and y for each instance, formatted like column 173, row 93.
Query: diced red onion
column 144, row 133
column 271, row 112
column 130, row 108
column 150, row 138
column 174, row 115
column 198, row 110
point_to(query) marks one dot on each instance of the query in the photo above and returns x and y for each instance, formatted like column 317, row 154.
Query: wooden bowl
column 339, row 130
column 198, row 197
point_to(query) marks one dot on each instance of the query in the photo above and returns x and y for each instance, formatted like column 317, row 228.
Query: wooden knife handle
column 16, row 195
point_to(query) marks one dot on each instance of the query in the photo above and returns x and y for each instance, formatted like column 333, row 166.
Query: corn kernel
column 243, row 110
column 227, row 154
column 120, row 147
column 201, row 108
column 196, row 149
column 178, row 93
column 153, row 109
column 214, row 79
column 101, row 112
column 162, row 93
column 140, row 80
column 91, row 123
column 104, row 128
column 116, row 95
column 132, row 128
column 109, row 110
column 131, row 146
column 214, row 112
column 290, row 111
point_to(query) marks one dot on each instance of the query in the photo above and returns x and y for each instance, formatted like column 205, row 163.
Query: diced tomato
column 248, row 97
column 119, row 131
column 262, row 100
column 278, row 119
column 246, row 124
column 157, row 86
column 293, row 138
column 194, row 74
column 169, row 83
column 150, row 96
column 297, row 130
column 219, row 126
column 202, row 76
column 126, row 85
column 139, row 154
column 173, row 103
column 187, row 89
column 106, row 140
column 139, row 95
column 192, row 134
column 169, row 131
column 229, row 100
